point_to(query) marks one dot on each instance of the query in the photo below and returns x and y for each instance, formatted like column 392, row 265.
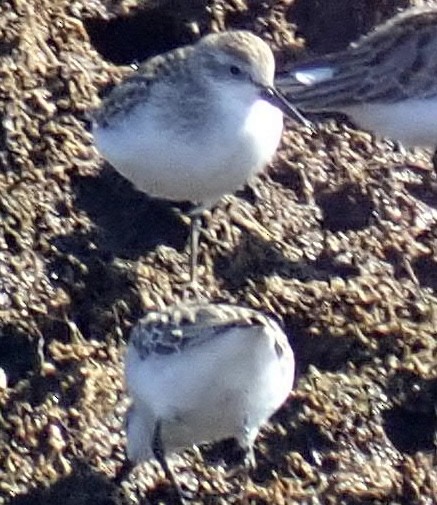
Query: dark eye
column 235, row 70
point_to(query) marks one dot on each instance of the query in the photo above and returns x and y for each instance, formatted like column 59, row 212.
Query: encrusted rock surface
column 338, row 239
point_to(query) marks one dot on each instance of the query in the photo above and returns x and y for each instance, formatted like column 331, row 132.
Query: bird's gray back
column 398, row 60
column 190, row 325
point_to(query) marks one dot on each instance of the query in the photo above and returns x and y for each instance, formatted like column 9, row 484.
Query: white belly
column 212, row 392
column 413, row 122
column 198, row 166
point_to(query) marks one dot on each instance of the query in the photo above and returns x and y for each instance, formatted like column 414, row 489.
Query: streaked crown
column 239, row 55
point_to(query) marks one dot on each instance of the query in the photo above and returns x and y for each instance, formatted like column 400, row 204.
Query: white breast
column 213, row 391
column 201, row 166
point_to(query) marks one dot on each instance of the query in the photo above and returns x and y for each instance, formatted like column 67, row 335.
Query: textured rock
column 338, row 239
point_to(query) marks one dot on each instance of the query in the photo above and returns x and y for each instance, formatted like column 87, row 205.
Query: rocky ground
column 338, row 239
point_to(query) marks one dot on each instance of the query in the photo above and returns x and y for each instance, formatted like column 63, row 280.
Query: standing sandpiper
column 195, row 123
column 199, row 373
column 386, row 82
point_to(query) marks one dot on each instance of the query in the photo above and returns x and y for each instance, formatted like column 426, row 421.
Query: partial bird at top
column 386, row 82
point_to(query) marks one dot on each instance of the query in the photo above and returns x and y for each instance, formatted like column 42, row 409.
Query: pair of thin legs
column 159, row 452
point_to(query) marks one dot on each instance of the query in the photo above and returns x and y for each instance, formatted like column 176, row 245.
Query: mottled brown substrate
column 339, row 240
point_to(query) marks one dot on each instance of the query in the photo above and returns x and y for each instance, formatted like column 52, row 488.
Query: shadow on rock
column 18, row 353
column 83, row 488
column 96, row 268
column 326, row 352
column 147, row 31
column 323, row 25
column 254, row 259
column 346, row 209
column 101, row 293
column 129, row 222
column 411, row 424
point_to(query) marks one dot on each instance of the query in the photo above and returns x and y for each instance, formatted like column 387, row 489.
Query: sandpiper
column 195, row 123
column 385, row 82
column 200, row 373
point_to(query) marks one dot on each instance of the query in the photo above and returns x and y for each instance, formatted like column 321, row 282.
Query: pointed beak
column 274, row 97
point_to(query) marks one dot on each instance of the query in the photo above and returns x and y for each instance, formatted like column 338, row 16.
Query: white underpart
column 202, row 165
column 411, row 122
column 207, row 393
column 312, row 76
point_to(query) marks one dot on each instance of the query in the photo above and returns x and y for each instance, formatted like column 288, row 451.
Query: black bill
column 273, row 96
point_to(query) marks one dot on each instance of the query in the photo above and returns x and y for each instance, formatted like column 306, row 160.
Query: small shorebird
column 195, row 123
column 386, row 82
column 200, row 373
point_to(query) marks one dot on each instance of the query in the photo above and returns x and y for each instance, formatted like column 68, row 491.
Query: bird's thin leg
column 123, row 472
column 158, row 451
column 249, row 459
column 195, row 226
column 249, row 462
column 248, row 446
column 434, row 160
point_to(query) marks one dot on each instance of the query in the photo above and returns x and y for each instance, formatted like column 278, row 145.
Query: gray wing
column 190, row 325
column 136, row 88
column 396, row 61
